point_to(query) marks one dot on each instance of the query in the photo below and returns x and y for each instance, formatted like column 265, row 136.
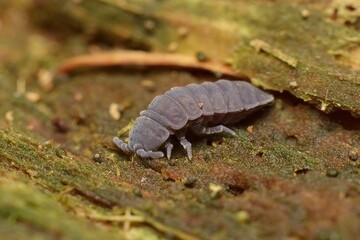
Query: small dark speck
column 60, row 125
column 236, row 190
column 98, row 157
column 201, row 57
column 81, row 118
column 189, row 182
column 300, row 171
column 332, row 173
column 172, row 164
column 353, row 155
column 350, row 7
column 260, row 154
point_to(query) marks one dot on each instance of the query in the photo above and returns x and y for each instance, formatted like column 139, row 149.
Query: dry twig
column 146, row 59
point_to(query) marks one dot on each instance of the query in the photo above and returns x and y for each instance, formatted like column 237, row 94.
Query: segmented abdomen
column 219, row 102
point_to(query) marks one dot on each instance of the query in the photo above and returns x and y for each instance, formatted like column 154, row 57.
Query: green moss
column 27, row 210
column 318, row 76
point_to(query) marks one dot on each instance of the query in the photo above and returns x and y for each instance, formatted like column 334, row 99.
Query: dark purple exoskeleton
column 200, row 108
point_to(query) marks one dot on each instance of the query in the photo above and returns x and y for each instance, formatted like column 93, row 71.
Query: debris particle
column 201, row 57
column 242, row 216
column 148, row 85
column 300, row 171
column 60, row 125
column 260, row 154
column 332, row 173
column 32, row 173
column 32, row 96
column 353, row 155
column 98, row 157
column 149, row 25
column 342, row 195
column 293, row 84
column 183, row 31
column 189, row 182
column 115, row 111
column 143, row 179
column 344, row 11
column 173, row 46
column 215, row 190
column 78, row 97
column 126, row 104
column 9, row 116
column 46, row 80
column 260, row 45
column 350, row 7
column 305, row 13
column 323, row 106
column 30, row 127
column 211, row 142
column 250, row 129
column 80, row 118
